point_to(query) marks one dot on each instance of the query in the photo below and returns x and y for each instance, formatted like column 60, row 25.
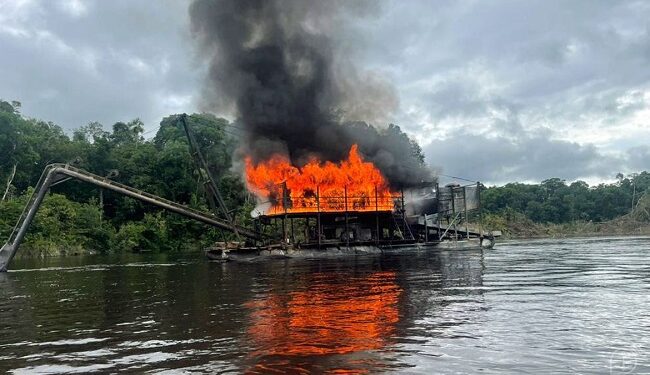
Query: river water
column 552, row 306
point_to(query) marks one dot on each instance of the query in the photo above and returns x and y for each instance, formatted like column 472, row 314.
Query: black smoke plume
column 281, row 68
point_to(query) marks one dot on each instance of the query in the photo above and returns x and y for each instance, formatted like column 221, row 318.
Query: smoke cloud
column 283, row 69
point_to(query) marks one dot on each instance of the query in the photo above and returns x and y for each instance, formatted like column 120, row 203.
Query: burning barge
column 430, row 216
column 327, row 209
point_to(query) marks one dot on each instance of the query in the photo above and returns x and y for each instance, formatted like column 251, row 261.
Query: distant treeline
column 555, row 201
column 77, row 217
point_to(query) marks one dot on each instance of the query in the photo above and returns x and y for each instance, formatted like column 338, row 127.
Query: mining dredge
column 427, row 216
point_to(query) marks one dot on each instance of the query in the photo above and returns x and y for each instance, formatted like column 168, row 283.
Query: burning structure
column 351, row 185
column 283, row 69
column 350, row 206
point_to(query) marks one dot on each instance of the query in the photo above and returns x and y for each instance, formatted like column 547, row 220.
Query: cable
column 458, row 178
column 235, row 126
column 232, row 133
column 227, row 125
column 150, row 131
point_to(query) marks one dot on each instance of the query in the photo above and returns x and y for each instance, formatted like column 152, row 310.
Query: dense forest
column 555, row 208
column 78, row 218
column 555, row 201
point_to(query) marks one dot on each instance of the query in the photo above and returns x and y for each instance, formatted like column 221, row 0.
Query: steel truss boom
column 55, row 173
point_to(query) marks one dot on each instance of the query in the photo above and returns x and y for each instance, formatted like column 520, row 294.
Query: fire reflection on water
column 327, row 317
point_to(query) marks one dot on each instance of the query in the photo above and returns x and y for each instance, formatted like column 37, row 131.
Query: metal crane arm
column 54, row 173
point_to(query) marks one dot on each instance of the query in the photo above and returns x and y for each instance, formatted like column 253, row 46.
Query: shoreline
column 35, row 254
column 574, row 235
column 520, row 236
column 520, row 227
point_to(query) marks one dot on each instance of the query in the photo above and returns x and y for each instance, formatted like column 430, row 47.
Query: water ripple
column 552, row 306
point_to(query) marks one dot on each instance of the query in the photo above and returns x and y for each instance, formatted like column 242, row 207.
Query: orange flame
column 351, row 185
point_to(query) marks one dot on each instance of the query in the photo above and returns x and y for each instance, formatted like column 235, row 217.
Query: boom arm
column 210, row 182
column 54, row 173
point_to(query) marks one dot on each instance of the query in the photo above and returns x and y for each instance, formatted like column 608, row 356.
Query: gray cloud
column 75, row 62
column 497, row 160
column 529, row 89
column 639, row 157
column 532, row 89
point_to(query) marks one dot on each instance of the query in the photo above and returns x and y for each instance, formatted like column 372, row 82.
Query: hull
column 261, row 253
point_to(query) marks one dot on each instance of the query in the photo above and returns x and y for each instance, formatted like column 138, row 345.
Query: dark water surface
column 551, row 306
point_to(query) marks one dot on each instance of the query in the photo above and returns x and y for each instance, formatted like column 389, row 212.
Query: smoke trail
column 279, row 66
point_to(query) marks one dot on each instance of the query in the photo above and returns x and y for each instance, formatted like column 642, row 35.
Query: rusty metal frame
column 55, row 173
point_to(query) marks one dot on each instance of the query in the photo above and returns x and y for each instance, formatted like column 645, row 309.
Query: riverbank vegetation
column 555, row 208
column 78, row 218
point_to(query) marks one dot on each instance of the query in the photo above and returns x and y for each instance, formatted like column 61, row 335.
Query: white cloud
column 74, row 8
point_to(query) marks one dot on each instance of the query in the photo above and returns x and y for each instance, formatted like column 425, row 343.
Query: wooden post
column 376, row 214
column 284, row 218
column 438, row 217
column 101, row 205
column 426, row 229
column 345, row 200
column 466, row 217
column 480, row 214
column 453, row 210
column 318, row 217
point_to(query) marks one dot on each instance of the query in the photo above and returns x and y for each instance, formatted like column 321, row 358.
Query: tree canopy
column 555, row 201
column 161, row 166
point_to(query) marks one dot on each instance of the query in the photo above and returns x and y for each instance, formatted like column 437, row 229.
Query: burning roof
column 350, row 185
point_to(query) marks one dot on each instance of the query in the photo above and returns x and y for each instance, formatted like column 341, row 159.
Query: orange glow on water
column 328, row 319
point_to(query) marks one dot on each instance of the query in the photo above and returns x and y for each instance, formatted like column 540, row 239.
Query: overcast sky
column 494, row 91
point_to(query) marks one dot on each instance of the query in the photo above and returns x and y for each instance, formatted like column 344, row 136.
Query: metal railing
column 336, row 203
